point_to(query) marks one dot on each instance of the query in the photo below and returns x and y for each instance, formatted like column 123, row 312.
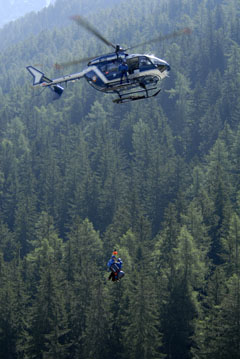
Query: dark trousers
column 124, row 73
column 113, row 276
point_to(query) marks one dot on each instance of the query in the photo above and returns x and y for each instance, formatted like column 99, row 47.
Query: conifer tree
column 231, row 244
column 48, row 328
column 141, row 337
column 13, row 310
column 180, row 273
column 96, row 336
column 83, row 263
column 207, row 325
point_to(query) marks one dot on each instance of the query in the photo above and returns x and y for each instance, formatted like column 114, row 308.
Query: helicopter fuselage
column 104, row 73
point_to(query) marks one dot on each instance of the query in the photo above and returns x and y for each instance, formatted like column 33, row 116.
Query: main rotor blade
column 61, row 65
column 184, row 31
column 82, row 22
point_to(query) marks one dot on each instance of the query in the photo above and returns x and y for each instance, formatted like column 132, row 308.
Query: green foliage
column 156, row 179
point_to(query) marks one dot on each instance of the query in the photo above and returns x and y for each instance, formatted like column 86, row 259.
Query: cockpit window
column 144, row 61
column 155, row 61
column 162, row 66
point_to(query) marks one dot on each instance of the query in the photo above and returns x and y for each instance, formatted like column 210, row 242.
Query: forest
column 157, row 179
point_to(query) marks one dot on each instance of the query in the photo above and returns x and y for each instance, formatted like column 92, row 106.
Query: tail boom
column 39, row 79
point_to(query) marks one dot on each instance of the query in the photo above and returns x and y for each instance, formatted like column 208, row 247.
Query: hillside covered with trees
column 158, row 179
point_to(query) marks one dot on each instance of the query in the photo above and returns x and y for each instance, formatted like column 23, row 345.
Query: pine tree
column 48, row 327
column 219, row 190
column 208, row 325
column 83, row 263
column 96, row 336
column 8, row 246
column 142, row 337
column 231, row 244
column 180, row 274
column 13, row 310
column 229, row 317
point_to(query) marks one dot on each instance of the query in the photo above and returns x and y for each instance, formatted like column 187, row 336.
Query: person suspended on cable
column 119, row 263
column 115, row 267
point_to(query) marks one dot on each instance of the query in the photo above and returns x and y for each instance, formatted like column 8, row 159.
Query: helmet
column 115, row 252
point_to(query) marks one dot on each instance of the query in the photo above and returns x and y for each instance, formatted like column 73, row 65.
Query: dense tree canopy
column 157, row 179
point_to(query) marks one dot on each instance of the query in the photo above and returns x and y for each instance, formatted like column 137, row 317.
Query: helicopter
column 129, row 76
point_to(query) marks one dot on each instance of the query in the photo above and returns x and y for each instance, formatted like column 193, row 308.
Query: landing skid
column 124, row 99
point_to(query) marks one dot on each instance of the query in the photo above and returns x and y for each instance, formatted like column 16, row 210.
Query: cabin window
column 110, row 69
column 133, row 64
column 113, row 67
column 103, row 68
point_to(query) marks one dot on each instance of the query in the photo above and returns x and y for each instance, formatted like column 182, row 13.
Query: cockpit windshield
column 155, row 61
column 161, row 64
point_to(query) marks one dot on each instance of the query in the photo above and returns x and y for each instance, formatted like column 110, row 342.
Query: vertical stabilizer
column 40, row 79
column 38, row 76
